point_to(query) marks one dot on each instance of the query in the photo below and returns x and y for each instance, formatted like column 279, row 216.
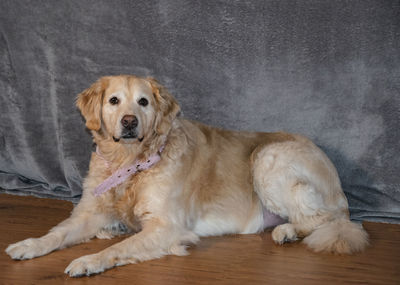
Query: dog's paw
column 104, row 234
column 87, row 265
column 284, row 233
column 27, row 249
column 113, row 230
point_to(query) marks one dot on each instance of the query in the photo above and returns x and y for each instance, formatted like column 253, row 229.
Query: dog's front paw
column 87, row 265
column 27, row 249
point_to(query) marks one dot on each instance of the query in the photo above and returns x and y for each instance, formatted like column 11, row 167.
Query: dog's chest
column 123, row 205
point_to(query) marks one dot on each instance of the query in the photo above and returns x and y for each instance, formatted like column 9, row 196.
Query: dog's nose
column 129, row 121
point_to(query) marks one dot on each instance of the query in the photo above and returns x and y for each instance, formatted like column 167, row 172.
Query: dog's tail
column 339, row 236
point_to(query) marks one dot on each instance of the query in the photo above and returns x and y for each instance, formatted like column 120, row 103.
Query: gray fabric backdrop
column 327, row 69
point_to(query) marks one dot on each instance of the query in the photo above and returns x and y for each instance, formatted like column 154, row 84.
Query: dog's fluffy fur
column 209, row 182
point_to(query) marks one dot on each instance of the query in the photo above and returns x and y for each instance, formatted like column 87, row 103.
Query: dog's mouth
column 128, row 136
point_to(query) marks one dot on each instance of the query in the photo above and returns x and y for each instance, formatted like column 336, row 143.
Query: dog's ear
column 166, row 106
column 89, row 103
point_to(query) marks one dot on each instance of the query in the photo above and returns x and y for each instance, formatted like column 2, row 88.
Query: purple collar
column 122, row 174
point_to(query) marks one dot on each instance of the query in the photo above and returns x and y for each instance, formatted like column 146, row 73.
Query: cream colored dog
column 208, row 182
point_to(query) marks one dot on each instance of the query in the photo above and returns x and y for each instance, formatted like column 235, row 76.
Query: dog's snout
column 129, row 121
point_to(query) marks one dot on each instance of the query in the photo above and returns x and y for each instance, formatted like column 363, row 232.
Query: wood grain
column 236, row 259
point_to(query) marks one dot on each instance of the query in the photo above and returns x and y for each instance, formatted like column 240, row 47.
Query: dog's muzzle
column 129, row 128
column 129, row 124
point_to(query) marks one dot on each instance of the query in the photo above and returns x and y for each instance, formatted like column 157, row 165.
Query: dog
column 190, row 180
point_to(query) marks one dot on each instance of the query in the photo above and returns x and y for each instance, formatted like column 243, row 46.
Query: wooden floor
column 238, row 259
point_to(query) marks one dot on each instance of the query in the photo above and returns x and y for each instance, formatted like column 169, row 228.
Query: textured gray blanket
column 326, row 69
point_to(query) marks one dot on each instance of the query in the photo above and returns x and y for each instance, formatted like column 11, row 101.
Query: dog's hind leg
column 297, row 181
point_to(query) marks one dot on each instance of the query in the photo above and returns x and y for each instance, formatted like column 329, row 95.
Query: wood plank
column 235, row 259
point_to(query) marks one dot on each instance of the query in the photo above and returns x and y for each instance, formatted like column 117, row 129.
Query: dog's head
column 127, row 108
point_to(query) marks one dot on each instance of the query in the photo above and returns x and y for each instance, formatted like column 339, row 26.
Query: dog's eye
column 114, row 101
column 143, row 102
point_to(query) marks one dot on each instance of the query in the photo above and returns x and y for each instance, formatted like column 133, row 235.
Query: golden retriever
column 208, row 181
